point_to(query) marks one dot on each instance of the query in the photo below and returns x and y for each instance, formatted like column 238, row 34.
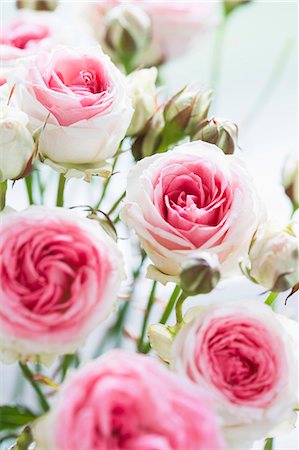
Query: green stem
column 149, row 307
column 67, row 362
column 3, row 189
column 271, row 299
column 107, row 182
column 269, row 444
column 217, row 54
column 29, row 376
column 179, row 308
column 270, row 84
column 116, row 203
column 40, row 185
column 166, row 313
column 28, row 181
column 60, row 190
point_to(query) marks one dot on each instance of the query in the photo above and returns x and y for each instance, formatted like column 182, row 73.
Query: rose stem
column 107, row 182
column 166, row 314
column 28, row 181
column 178, row 308
column 29, row 376
column 60, row 190
column 115, row 331
column 146, row 316
column 116, row 203
column 217, row 54
column 271, row 299
column 3, row 189
column 269, row 444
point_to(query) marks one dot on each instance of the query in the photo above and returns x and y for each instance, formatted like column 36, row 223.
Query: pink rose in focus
column 86, row 96
column 60, row 274
column 190, row 199
column 244, row 356
column 175, row 24
column 128, row 401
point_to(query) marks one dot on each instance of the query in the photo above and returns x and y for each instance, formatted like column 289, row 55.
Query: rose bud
column 188, row 107
column 38, row 5
column 142, row 89
column 128, row 30
column 150, row 140
column 221, row 132
column 200, row 275
column 273, row 259
column 161, row 339
column 17, row 145
column 290, row 177
column 230, row 5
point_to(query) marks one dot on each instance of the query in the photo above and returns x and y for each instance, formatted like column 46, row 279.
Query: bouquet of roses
column 172, row 213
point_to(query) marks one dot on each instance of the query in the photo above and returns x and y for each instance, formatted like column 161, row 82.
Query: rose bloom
column 17, row 145
column 189, row 199
column 128, row 401
column 174, row 24
column 29, row 32
column 82, row 97
column 244, row 356
column 60, row 274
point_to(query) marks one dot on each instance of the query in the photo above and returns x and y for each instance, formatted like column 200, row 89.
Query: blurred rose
column 86, row 96
column 188, row 199
column 17, row 145
column 60, row 274
column 175, row 24
column 29, row 32
column 128, row 401
column 143, row 92
column 244, row 355
column 290, row 179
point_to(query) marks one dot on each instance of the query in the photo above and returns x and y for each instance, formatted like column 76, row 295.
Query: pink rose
column 244, row 356
column 193, row 198
column 29, row 32
column 128, row 401
column 60, row 274
column 175, row 24
column 86, row 96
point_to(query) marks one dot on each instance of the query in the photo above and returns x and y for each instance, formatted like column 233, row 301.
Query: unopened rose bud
column 128, row 31
column 231, row 5
column 143, row 93
column 220, row 132
column 150, row 140
column 290, row 179
column 161, row 338
column 200, row 275
column 187, row 108
column 17, row 145
column 38, row 5
column 273, row 259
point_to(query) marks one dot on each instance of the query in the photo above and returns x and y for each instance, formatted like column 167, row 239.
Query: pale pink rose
column 193, row 198
column 176, row 24
column 245, row 357
column 129, row 401
column 29, row 32
column 86, row 96
column 60, row 274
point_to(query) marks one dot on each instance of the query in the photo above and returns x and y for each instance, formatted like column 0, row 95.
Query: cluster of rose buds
column 185, row 115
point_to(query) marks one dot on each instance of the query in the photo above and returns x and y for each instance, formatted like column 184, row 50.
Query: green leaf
column 12, row 417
